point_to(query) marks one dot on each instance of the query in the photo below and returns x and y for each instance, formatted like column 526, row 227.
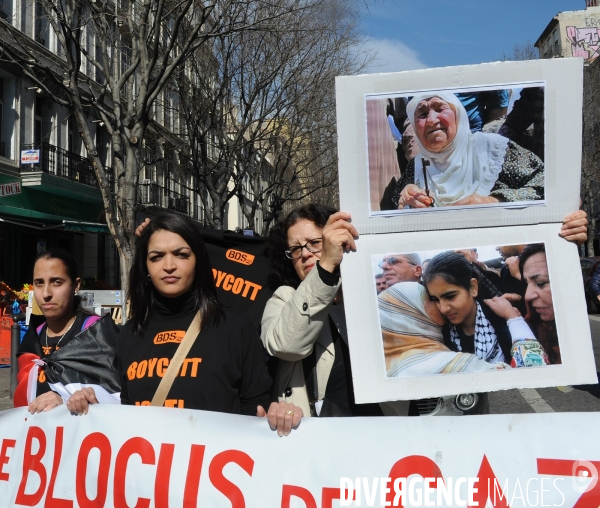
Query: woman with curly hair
column 301, row 325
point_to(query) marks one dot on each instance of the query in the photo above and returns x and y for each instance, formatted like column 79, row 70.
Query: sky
column 415, row 34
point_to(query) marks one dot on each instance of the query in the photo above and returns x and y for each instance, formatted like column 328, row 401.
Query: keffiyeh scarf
column 486, row 341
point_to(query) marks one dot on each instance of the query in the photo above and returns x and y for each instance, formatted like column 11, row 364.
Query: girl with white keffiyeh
column 411, row 329
column 490, row 329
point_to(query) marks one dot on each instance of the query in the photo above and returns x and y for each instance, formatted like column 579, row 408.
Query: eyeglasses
column 392, row 261
column 312, row 246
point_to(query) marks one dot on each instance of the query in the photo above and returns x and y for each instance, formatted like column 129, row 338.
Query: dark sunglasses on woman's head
column 312, row 246
column 392, row 261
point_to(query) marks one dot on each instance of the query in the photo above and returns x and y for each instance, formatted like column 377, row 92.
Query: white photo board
column 371, row 381
column 532, row 150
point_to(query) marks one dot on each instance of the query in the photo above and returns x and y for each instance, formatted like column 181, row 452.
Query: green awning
column 86, row 227
column 25, row 214
column 33, row 203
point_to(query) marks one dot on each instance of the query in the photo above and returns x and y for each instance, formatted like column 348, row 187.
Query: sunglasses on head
column 393, row 260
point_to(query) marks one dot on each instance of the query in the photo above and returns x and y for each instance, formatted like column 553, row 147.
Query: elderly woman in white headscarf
column 458, row 167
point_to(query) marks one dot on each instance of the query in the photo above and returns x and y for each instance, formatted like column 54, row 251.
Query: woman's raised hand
column 45, row 402
column 415, row 197
column 502, row 307
column 338, row 237
column 282, row 417
column 574, row 228
column 513, row 266
column 80, row 401
column 139, row 230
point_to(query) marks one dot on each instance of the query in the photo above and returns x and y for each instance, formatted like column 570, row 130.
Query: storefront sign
column 9, row 189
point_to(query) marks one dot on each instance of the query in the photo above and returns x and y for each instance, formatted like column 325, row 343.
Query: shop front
column 47, row 211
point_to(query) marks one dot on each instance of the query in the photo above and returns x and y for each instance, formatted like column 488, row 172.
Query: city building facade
column 52, row 197
column 572, row 34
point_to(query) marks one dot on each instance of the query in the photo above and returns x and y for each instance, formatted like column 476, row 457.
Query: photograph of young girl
column 458, row 148
column 468, row 310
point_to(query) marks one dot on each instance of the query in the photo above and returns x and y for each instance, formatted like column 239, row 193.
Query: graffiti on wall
column 585, row 42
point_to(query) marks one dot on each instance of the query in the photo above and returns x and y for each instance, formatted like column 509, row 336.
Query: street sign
column 30, row 156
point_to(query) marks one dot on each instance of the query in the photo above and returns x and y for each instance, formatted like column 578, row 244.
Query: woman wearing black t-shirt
column 171, row 280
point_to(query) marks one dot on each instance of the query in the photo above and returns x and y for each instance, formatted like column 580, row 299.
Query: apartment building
column 53, row 197
column 51, row 193
column 572, row 34
column 577, row 34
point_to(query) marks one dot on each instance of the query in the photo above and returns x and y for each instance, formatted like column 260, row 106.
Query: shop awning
column 30, row 222
column 85, row 227
column 43, row 223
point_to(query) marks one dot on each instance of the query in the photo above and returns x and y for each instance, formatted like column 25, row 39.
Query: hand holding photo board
column 466, row 170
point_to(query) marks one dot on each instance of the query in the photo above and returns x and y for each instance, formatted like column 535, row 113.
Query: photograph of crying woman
column 468, row 310
column 455, row 148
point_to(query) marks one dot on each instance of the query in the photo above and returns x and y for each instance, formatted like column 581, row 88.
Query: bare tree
column 590, row 184
column 524, row 51
column 260, row 110
column 590, row 167
column 112, row 62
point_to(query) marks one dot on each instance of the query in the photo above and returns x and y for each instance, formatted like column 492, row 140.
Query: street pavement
column 5, row 400
column 541, row 400
column 559, row 399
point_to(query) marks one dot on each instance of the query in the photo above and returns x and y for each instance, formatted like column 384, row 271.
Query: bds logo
column 165, row 337
column 239, row 257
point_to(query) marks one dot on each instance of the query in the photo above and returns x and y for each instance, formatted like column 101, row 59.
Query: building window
column 168, row 107
column 5, row 9
column 37, row 120
column 39, row 25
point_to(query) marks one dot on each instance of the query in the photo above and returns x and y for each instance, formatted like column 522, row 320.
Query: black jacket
column 594, row 283
column 499, row 324
column 88, row 356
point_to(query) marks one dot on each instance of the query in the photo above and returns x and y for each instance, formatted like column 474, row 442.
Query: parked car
column 588, row 268
column 456, row 405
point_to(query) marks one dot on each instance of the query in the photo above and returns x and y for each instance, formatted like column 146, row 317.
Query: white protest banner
column 126, row 456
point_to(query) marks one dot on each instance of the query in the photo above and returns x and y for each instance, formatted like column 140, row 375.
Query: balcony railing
column 553, row 52
column 59, row 162
column 153, row 194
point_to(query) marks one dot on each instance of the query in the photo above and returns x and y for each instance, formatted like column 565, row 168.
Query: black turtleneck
column 180, row 305
column 223, row 371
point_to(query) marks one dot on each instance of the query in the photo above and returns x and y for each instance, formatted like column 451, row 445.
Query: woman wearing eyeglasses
column 300, row 324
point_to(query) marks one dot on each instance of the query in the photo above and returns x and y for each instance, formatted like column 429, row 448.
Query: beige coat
column 295, row 321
